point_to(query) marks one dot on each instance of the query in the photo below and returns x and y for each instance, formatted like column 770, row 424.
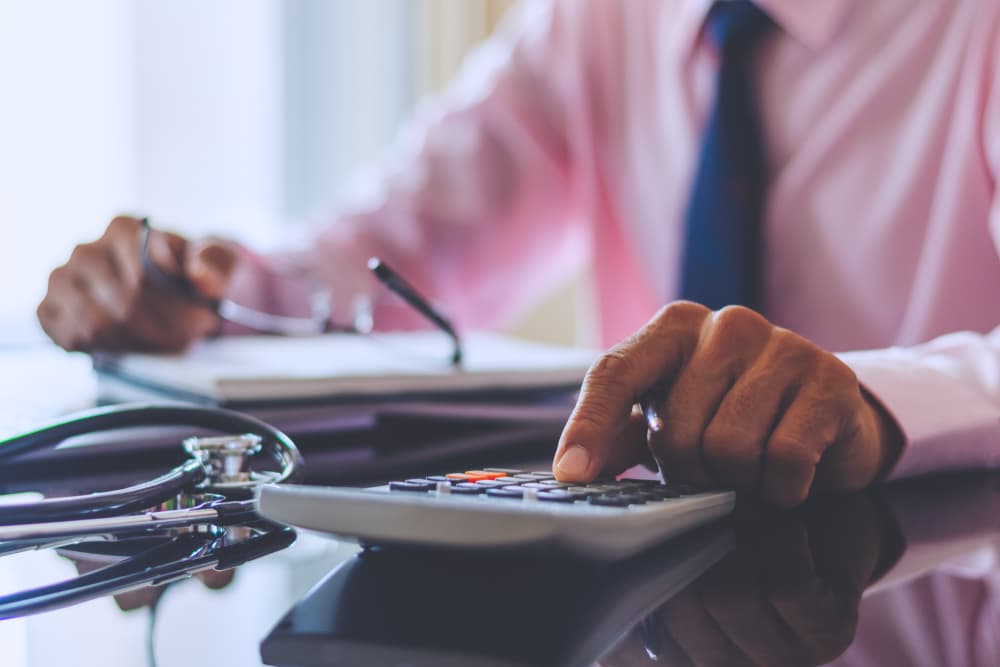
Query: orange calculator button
column 483, row 474
column 458, row 476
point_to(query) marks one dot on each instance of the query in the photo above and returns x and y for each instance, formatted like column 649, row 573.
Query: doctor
column 810, row 178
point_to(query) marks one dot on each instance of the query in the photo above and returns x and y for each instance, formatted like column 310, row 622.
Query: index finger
column 615, row 383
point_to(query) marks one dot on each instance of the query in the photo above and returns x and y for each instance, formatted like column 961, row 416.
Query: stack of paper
column 317, row 383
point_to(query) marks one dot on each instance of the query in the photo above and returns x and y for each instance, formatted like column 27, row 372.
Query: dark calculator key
column 506, row 471
column 664, row 492
column 416, row 485
column 609, row 501
column 582, row 491
column 557, row 496
column 633, row 498
column 686, row 489
column 505, row 492
column 470, row 488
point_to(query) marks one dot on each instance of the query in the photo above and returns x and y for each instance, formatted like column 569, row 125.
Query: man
column 644, row 136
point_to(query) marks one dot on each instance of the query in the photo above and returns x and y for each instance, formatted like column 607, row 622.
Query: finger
column 735, row 600
column 209, row 264
column 167, row 251
column 804, row 432
column 725, row 350
column 695, row 634
column 93, row 270
column 820, row 614
column 613, row 385
column 733, row 442
column 629, row 448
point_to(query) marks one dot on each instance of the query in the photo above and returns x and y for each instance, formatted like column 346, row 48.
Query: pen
column 395, row 282
column 653, row 419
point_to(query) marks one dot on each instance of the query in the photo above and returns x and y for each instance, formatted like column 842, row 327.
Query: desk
column 908, row 574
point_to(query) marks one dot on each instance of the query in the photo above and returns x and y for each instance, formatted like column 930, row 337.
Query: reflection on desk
column 896, row 576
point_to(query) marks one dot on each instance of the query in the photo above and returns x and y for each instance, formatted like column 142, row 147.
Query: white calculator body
column 497, row 508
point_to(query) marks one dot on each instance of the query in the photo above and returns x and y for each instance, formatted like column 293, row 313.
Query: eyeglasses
column 317, row 322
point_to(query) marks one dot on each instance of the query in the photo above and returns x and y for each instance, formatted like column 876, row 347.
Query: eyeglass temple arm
column 395, row 282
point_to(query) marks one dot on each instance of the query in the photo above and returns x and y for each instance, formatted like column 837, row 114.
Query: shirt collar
column 814, row 23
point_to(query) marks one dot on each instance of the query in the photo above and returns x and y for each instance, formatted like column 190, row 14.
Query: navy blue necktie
column 722, row 255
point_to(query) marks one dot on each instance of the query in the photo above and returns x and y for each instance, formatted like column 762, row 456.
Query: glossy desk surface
column 907, row 574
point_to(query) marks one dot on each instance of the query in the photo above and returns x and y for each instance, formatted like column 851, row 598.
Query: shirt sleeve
column 472, row 204
column 945, row 394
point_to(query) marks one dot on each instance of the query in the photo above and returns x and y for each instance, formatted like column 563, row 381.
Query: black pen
column 395, row 282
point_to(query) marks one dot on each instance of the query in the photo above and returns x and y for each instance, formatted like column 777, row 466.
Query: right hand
column 101, row 298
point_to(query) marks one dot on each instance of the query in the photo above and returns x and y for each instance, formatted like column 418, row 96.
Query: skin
column 746, row 405
column 788, row 594
column 101, row 300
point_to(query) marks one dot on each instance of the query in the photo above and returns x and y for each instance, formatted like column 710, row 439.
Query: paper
column 263, row 368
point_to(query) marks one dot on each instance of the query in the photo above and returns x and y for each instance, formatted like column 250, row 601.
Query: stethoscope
column 215, row 485
column 199, row 515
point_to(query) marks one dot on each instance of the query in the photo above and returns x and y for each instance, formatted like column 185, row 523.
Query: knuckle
column 610, row 368
column 84, row 253
column 791, row 453
column 739, row 319
column 682, row 312
column 122, row 225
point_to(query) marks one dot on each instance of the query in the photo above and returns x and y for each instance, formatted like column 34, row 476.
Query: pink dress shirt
column 570, row 138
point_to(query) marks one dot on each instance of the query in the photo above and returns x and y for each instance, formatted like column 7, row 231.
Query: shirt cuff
column 946, row 426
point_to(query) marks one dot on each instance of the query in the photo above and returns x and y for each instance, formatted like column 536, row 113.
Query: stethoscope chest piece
column 226, row 457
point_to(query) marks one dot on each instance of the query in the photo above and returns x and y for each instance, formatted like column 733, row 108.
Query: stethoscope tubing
column 150, row 493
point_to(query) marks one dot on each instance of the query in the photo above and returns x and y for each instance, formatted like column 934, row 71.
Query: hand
column 102, row 300
column 146, row 596
column 745, row 405
column 788, row 594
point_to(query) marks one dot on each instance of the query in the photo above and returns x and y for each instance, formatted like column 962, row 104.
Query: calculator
column 501, row 508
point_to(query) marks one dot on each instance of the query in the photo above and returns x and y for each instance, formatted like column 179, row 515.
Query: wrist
column 889, row 436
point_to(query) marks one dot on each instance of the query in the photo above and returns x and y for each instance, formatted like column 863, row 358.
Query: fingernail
column 574, row 461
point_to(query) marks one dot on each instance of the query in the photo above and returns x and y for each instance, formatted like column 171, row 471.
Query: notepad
column 238, row 370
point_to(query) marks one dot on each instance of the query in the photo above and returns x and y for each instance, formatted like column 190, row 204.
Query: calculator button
column 557, row 495
column 526, row 476
column 506, row 471
column 467, row 488
column 491, row 483
column 505, row 492
column 485, row 474
column 609, row 501
column 438, row 478
column 553, row 484
column 541, row 486
column 457, row 476
column 541, row 475
column 416, row 485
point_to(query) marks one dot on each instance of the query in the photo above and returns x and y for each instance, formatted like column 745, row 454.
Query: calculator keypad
column 511, row 484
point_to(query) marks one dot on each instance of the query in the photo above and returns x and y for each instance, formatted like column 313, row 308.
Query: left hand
column 746, row 405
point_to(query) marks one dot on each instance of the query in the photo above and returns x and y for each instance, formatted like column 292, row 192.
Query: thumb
column 209, row 265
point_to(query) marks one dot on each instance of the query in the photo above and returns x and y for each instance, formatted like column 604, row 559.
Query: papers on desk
column 263, row 369
column 336, row 381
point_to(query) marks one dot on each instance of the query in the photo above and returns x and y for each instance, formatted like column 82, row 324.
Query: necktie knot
column 737, row 25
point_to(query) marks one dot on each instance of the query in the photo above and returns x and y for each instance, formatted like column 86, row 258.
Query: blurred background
column 243, row 118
